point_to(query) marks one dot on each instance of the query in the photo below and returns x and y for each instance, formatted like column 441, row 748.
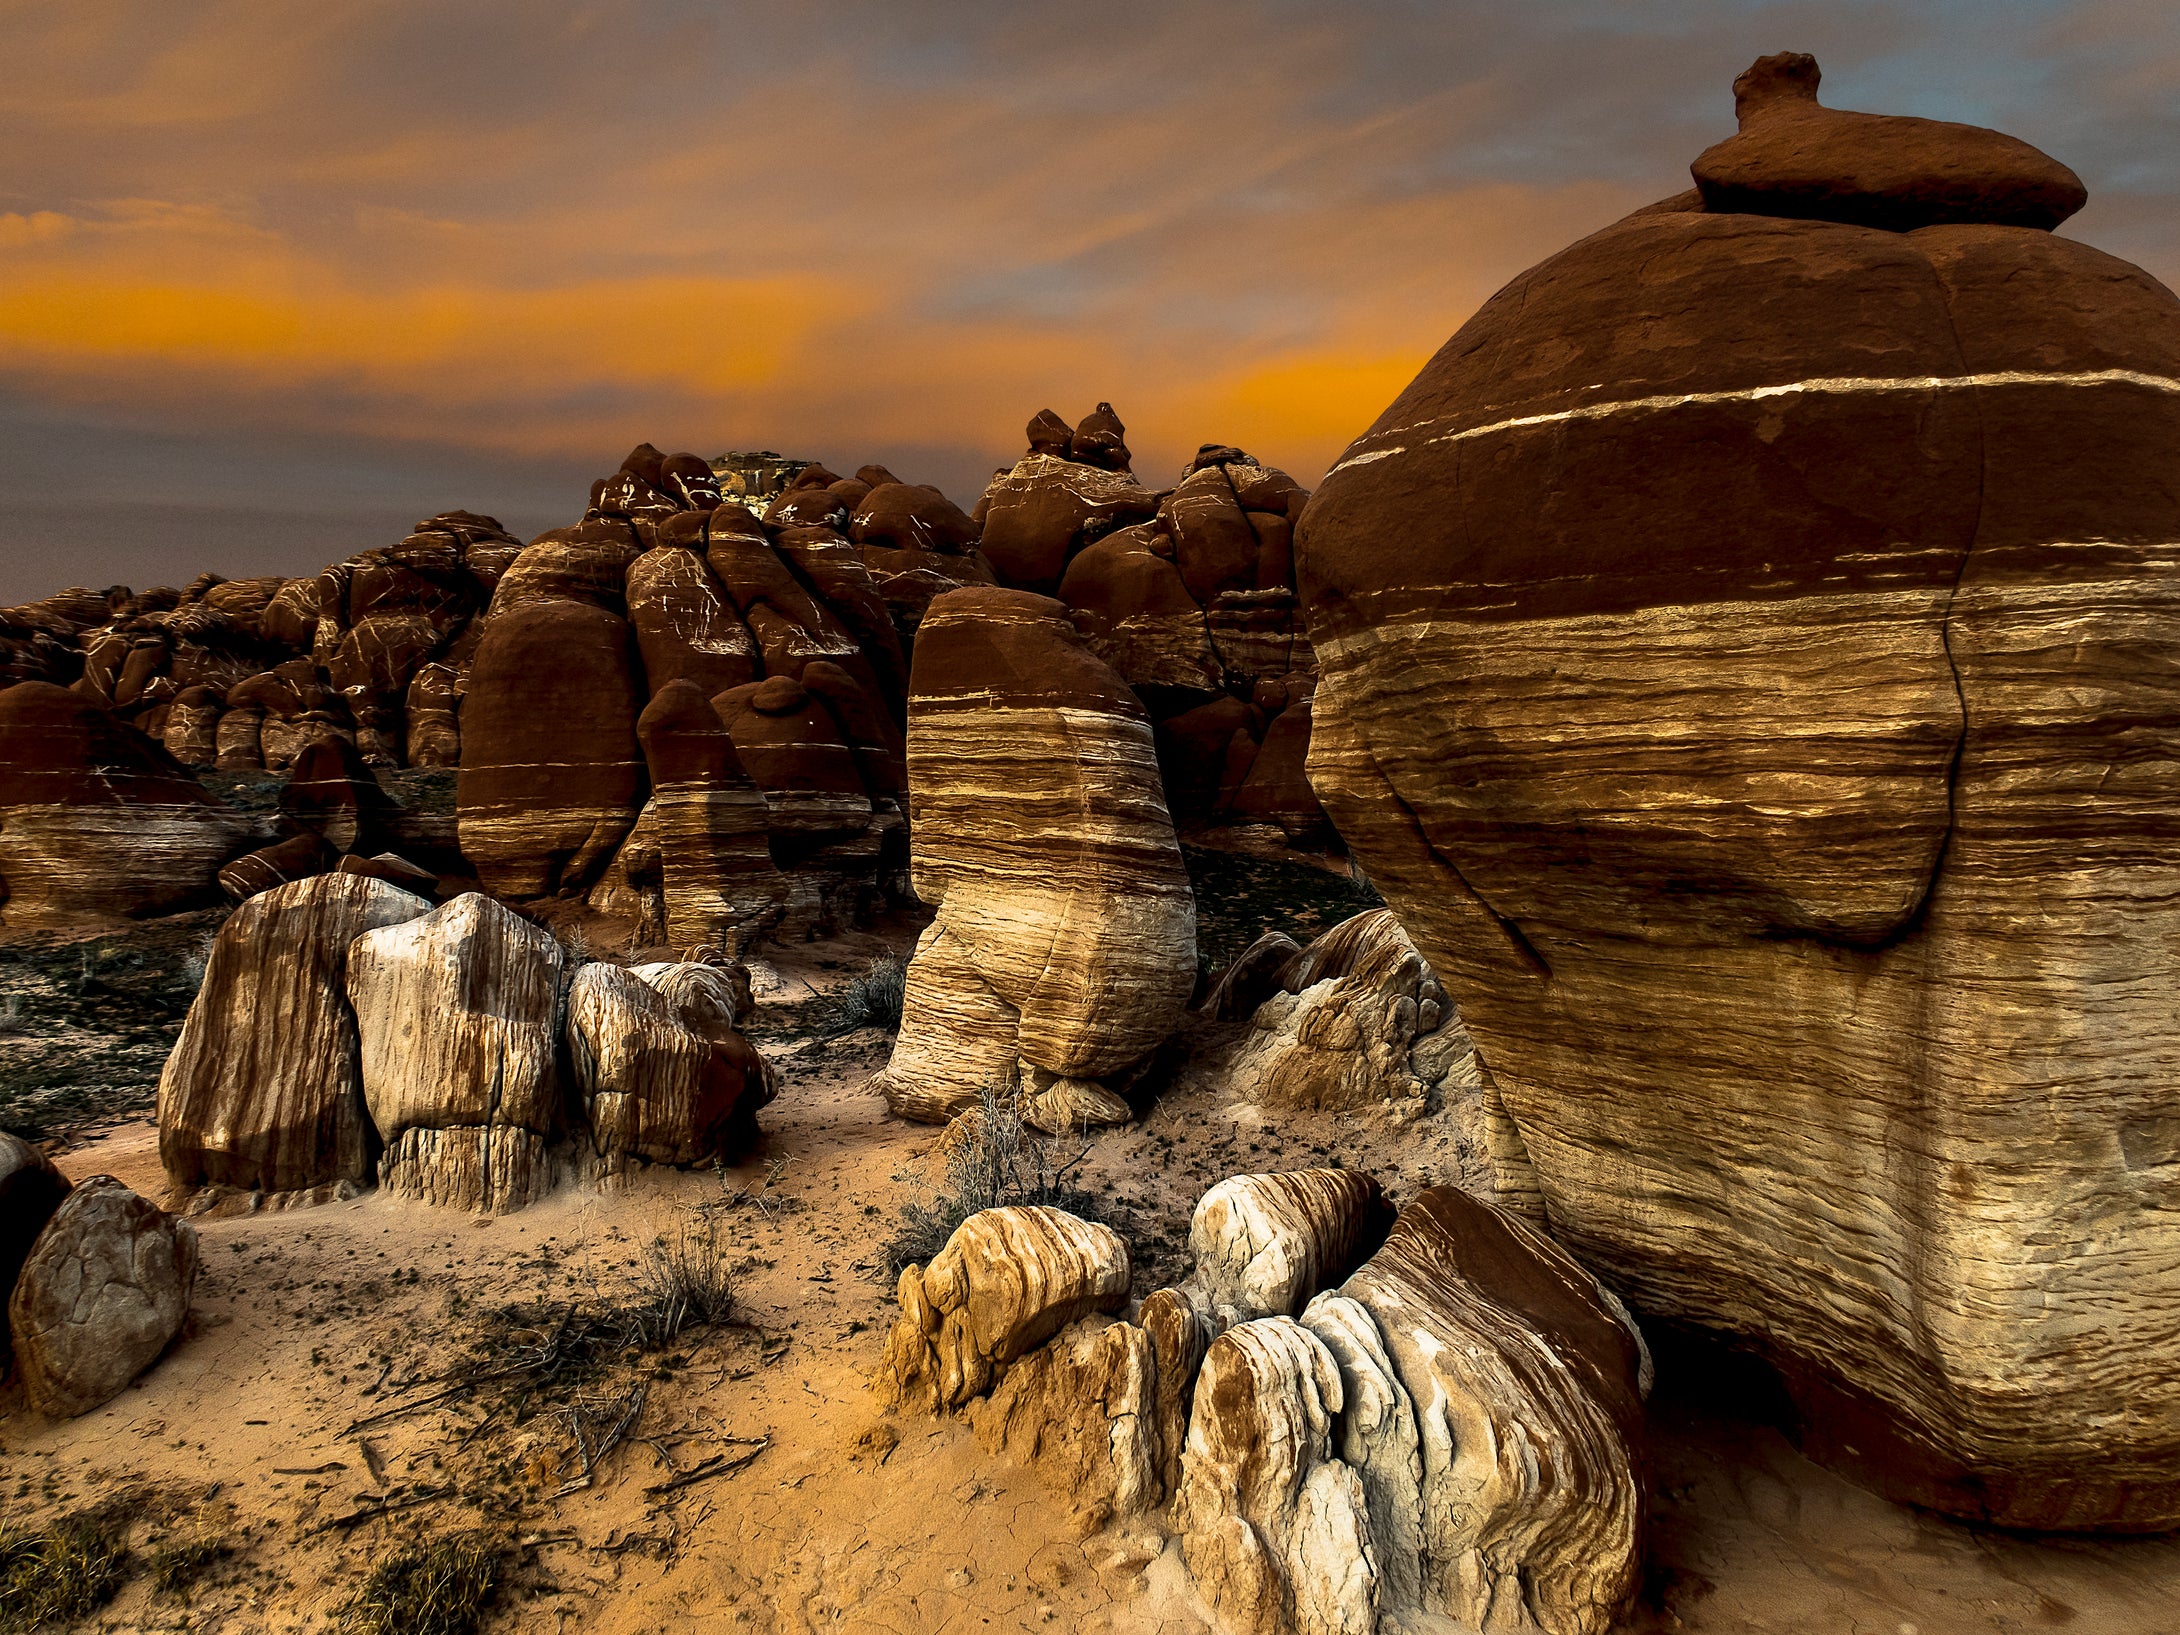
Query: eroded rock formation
column 1355, row 1020
column 1274, row 1527
column 1756, row 704
column 1263, row 1244
column 455, row 1021
column 97, row 821
column 1188, row 593
column 263, row 1091
column 1007, row 1281
column 30, row 1190
column 1516, row 1500
column 664, row 1074
column 1064, row 947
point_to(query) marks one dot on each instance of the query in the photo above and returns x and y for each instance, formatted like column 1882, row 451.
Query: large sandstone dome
column 1750, row 666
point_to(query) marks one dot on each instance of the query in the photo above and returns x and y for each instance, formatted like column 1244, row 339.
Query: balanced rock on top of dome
column 1743, row 701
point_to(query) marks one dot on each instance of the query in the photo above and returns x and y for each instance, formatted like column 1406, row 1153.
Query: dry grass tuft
column 52, row 1576
column 440, row 1587
column 176, row 1567
column 993, row 1159
column 872, row 1000
column 685, row 1278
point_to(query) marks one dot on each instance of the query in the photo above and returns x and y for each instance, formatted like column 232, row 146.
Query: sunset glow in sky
column 277, row 278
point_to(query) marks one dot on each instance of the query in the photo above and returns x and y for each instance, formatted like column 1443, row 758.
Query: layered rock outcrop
column 1451, row 1434
column 1188, row 593
column 1063, row 950
column 1756, row 703
column 104, row 1291
column 263, row 1091
column 97, row 821
column 1006, row 1281
column 1274, row 1528
column 457, row 1043
column 664, row 597
column 1516, row 1499
column 1355, row 1020
column 1264, row 1244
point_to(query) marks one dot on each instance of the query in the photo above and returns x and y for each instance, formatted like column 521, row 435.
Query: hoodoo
column 1748, row 670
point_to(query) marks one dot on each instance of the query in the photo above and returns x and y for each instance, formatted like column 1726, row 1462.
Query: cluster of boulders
column 690, row 715
column 1348, row 1417
column 1749, row 673
column 1063, row 951
column 1188, row 593
column 348, row 1032
column 243, row 674
column 94, row 1281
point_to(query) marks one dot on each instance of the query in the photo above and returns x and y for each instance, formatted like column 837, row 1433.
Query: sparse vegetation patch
column 992, row 1159
column 51, row 1576
column 872, row 1000
column 439, row 1587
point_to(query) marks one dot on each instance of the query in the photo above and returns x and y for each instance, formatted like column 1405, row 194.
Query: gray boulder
column 104, row 1292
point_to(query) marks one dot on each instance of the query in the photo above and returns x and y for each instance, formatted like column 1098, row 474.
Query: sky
column 278, row 279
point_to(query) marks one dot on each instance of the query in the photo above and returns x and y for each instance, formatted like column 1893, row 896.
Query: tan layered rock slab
column 664, row 1075
column 1264, row 1244
column 1274, row 1528
column 455, row 1019
column 1007, row 1280
column 1516, row 1499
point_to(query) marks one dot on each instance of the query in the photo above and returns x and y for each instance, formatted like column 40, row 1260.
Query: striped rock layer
column 1263, row 1244
column 1064, row 946
column 1355, row 1020
column 1006, row 1281
column 1452, row 1433
column 263, row 1091
column 1749, row 669
column 664, row 1075
column 96, row 820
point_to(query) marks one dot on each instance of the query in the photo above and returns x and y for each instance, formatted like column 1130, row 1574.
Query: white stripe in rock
column 1823, row 385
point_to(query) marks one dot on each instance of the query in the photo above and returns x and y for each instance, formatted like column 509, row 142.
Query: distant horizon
column 277, row 281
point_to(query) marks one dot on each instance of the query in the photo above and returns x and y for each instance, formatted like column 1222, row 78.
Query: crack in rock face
column 1746, row 671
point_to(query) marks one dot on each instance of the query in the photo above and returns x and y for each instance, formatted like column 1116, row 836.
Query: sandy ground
column 819, row 1514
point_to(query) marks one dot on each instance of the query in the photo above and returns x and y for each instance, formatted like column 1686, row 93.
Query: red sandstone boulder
column 710, row 824
column 552, row 775
column 685, row 625
column 1793, row 157
column 797, row 752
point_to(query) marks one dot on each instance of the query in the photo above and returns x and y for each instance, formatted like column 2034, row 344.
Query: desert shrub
column 872, row 1000
column 52, row 1576
column 439, row 1587
column 992, row 1159
column 684, row 1277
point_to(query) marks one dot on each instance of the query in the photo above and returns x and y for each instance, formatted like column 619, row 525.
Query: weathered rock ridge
column 1350, row 1431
